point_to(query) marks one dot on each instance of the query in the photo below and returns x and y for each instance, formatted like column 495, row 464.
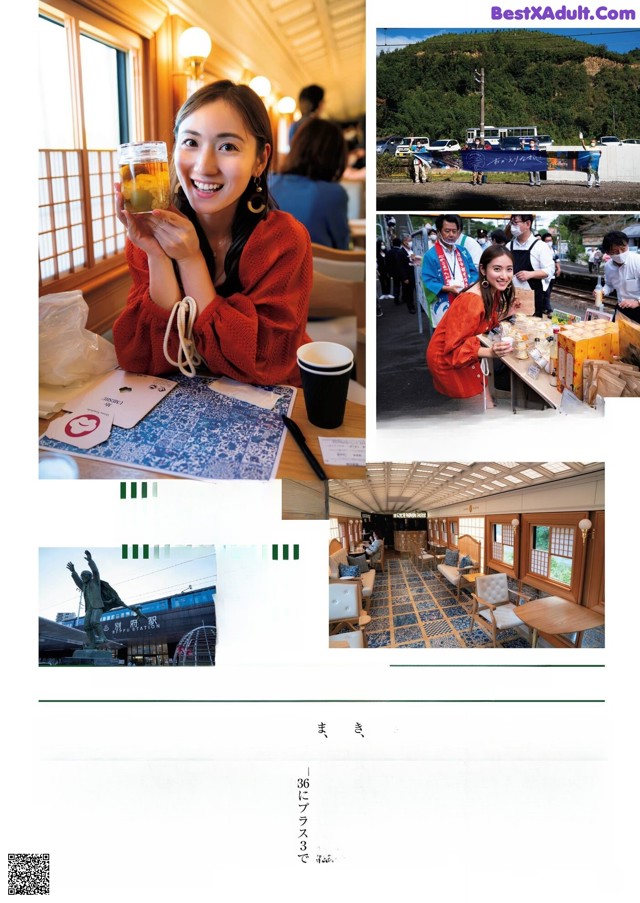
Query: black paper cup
column 325, row 356
column 325, row 395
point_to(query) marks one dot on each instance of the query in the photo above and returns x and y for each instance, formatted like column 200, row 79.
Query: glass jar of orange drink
column 144, row 176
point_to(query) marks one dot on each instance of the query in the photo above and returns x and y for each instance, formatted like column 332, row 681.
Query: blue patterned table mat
column 196, row 432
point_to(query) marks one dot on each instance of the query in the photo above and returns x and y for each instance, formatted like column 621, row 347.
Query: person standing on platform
column 407, row 273
column 393, row 265
column 534, row 176
column 534, row 265
column 547, row 308
column 622, row 274
column 593, row 162
column 447, row 269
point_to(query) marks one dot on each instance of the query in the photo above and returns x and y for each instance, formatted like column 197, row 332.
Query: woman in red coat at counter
column 454, row 351
column 247, row 266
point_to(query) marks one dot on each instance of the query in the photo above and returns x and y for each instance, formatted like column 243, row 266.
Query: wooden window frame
column 78, row 20
column 495, row 564
column 573, row 592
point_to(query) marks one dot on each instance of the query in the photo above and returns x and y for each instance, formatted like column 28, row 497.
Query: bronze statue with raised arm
column 89, row 584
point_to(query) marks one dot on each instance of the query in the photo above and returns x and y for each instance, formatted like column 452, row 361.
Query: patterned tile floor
column 416, row 610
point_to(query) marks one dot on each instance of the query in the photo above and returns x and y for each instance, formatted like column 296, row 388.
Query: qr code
column 28, row 874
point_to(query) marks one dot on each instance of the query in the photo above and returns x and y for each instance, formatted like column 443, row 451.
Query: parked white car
column 445, row 144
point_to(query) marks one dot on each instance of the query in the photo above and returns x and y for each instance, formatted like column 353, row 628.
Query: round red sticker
column 82, row 425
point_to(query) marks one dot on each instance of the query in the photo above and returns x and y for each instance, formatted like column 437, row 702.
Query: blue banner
column 512, row 161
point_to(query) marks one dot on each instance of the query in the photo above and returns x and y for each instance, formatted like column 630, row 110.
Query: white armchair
column 493, row 605
column 345, row 606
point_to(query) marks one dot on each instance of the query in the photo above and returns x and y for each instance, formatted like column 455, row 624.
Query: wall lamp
column 515, row 523
column 194, row 46
column 585, row 526
column 261, row 85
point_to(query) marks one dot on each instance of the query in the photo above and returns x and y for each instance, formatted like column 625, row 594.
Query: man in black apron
column 533, row 263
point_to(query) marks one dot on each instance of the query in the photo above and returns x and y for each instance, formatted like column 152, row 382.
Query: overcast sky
column 619, row 40
column 136, row 580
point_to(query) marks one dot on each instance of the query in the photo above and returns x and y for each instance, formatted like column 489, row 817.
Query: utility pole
column 479, row 78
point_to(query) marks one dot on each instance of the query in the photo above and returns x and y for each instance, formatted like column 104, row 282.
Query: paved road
column 505, row 196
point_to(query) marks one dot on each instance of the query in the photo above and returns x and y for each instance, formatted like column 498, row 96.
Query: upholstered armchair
column 493, row 605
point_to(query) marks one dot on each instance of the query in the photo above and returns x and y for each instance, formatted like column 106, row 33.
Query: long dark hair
column 318, row 151
column 488, row 294
column 256, row 120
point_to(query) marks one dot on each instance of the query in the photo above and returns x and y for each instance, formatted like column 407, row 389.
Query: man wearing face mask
column 533, row 263
column 622, row 274
column 447, row 269
column 406, row 261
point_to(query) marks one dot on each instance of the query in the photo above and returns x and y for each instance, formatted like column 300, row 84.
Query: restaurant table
column 520, row 377
column 554, row 615
column 293, row 465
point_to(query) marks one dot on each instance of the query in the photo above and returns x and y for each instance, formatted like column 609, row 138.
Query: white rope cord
column 185, row 313
column 484, row 366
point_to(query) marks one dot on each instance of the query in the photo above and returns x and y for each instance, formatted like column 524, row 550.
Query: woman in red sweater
column 454, row 351
column 246, row 265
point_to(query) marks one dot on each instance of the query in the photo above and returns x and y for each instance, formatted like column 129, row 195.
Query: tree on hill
column 559, row 84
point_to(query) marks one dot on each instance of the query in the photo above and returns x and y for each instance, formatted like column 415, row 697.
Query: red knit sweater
column 251, row 336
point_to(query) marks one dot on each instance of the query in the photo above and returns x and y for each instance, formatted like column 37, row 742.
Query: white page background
column 454, row 801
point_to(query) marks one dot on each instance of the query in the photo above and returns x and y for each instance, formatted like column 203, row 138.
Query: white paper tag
column 261, row 398
column 82, row 429
column 533, row 371
column 128, row 397
column 347, row 452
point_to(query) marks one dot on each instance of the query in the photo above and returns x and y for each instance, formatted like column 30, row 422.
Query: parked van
column 411, row 144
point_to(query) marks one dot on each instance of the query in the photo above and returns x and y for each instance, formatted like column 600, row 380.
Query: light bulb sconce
column 194, row 46
column 585, row 527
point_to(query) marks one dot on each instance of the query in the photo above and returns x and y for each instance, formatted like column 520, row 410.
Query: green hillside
column 561, row 85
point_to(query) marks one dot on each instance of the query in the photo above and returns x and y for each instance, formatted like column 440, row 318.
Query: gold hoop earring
column 257, row 203
column 484, row 283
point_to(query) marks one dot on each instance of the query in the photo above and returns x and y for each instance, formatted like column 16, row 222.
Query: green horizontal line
column 496, row 666
column 279, row 701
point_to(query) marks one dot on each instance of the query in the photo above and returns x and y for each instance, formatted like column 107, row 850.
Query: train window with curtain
column 89, row 95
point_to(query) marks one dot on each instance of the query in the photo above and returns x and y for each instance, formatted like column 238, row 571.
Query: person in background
column 622, row 274
column 455, row 352
column 383, row 270
column 471, row 246
column 372, row 548
column 498, row 237
column 590, row 254
column 246, row 267
column 534, row 177
column 310, row 102
column 534, row 265
column 593, row 162
column 432, row 237
column 547, row 309
column 406, row 264
column 447, row 269
column 482, row 238
column 307, row 186
column 477, row 176
column 393, row 264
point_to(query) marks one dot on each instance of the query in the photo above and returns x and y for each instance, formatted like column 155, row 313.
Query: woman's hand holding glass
column 175, row 233
column 502, row 347
column 138, row 225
